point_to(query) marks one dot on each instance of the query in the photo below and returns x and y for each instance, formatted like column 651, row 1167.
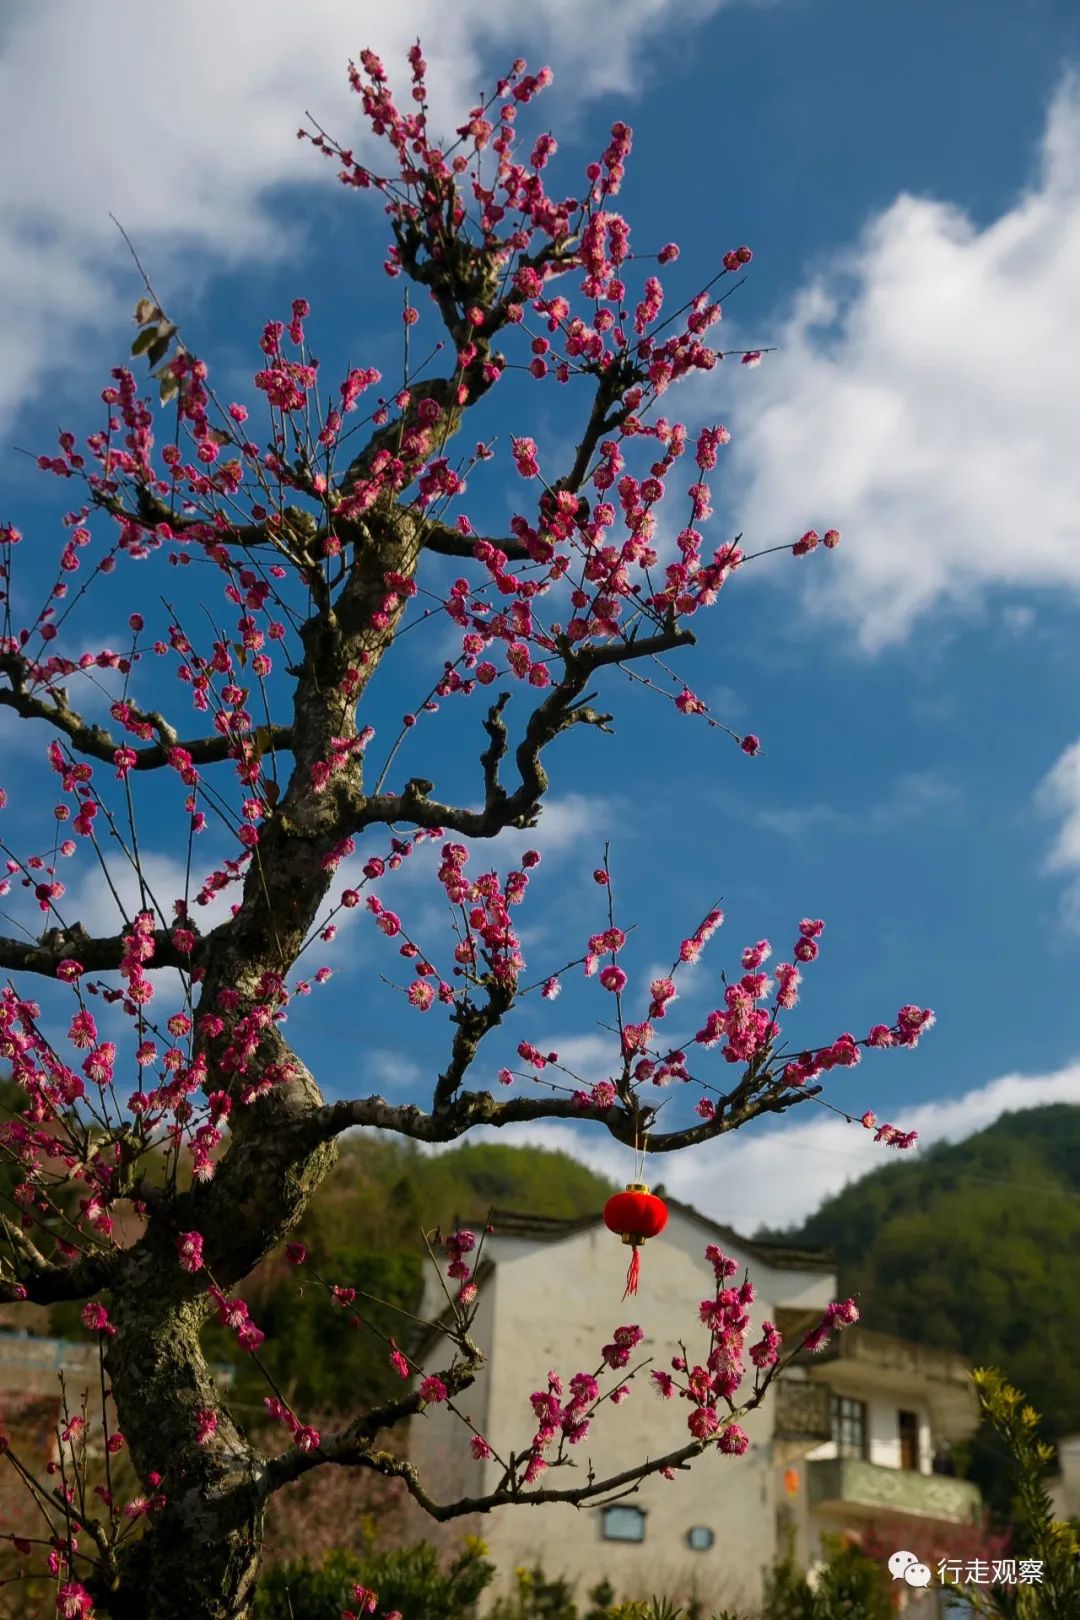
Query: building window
column 622, row 1524
column 909, row 1440
column 849, row 1427
column 700, row 1538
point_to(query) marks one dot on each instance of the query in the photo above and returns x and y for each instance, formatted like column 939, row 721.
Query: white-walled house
column 890, row 1409
column 852, row 1433
column 1065, row 1485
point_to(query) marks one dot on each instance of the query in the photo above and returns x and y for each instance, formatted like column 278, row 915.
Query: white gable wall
column 438, row 1439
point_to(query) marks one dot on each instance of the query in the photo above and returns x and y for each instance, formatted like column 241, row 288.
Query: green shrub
column 1037, row 1534
column 535, row 1597
column 409, row 1579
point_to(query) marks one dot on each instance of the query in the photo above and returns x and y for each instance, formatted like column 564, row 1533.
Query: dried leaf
column 161, row 337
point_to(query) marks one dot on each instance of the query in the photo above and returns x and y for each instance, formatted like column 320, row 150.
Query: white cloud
column 1018, row 620
column 1059, row 795
column 105, row 906
column 914, row 796
column 91, row 901
column 923, row 403
column 180, row 122
column 780, row 1176
column 391, row 1069
column 777, row 1177
column 568, row 823
column 590, row 1057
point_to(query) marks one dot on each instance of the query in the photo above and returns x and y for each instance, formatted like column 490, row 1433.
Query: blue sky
column 908, row 176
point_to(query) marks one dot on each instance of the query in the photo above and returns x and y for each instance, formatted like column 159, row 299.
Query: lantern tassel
column 634, row 1272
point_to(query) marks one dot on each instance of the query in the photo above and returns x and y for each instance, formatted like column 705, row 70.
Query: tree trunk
column 199, row 1558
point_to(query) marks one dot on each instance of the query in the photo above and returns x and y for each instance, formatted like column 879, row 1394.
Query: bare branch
column 606, row 416
column 473, row 1108
column 349, row 1445
column 40, row 1282
column 472, row 1024
column 449, row 542
column 95, row 954
column 563, row 707
column 150, row 511
column 341, row 1450
column 96, row 742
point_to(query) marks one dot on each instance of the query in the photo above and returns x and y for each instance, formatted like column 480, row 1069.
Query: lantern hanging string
column 641, row 1148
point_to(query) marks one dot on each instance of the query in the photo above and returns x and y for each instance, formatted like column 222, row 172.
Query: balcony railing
column 847, row 1483
column 803, row 1411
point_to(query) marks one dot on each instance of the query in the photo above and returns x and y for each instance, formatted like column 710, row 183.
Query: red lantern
column 636, row 1214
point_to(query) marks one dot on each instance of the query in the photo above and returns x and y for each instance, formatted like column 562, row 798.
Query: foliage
column 535, row 1596
column 409, row 1580
column 1038, row 1536
column 847, row 1586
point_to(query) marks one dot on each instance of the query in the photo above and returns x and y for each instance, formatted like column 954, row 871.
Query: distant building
column 34, row 1367
column 846, row 1439
column 1065, row 1485
column 863, row 1432
column 31, row 1410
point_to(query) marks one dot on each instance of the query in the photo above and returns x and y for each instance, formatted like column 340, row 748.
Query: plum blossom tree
column 169, row 1137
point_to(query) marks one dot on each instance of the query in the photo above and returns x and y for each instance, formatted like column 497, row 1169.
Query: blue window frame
column 621, row 1523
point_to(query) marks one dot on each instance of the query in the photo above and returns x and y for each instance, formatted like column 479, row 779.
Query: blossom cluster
column 564, row 1413
column 711, row 1387
column 746, row 1029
